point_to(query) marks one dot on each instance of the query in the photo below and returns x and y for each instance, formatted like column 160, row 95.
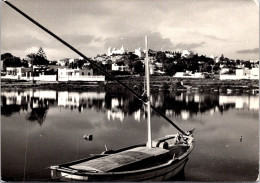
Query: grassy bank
column 157, row 83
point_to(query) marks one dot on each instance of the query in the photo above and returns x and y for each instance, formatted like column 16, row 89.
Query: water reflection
column 116, row 119
column 183, row 105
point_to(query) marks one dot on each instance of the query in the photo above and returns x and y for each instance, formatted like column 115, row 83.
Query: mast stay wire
column 93, row 63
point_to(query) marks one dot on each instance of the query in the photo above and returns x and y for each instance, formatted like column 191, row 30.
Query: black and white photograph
column 129, row 90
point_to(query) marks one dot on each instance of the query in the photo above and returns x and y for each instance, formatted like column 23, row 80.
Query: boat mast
column 148, row 103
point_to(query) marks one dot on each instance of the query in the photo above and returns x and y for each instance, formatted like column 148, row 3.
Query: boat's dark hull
column 159, row 173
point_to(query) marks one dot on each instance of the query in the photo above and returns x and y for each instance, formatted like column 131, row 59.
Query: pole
column 148, row 103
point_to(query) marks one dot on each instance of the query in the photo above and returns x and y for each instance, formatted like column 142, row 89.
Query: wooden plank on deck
column 121, row 159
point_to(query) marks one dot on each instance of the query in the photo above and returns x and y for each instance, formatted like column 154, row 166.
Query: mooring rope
column 93, row 63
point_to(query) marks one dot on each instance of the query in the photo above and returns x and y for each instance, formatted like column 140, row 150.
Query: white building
column 62, row 62
column 243, row 73
column 78, row 75
column 116, row 67
column 187, row 53
column 215, row 58
column 139, row 53
column 224, row 70
column 115, row 51
column 189, row 75
column 169, row 55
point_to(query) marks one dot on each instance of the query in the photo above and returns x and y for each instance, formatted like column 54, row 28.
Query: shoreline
column 137, row 83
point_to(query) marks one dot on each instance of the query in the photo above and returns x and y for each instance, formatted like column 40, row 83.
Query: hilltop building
column 139, row 53
column 187, row 53
column 115, row 51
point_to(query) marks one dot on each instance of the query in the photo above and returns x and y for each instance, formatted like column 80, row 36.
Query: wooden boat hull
column 159, row 172
column 156, row 174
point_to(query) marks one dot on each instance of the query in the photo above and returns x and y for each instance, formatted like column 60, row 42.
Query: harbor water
column 41, row 128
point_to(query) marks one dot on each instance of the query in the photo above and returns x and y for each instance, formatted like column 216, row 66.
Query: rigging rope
column 93, row 63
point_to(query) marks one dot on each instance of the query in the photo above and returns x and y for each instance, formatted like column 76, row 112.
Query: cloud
column 91, row 26
column 155, row 41
column 188, row 46
column 215, row 38
column 79, row 39
column 247, row 51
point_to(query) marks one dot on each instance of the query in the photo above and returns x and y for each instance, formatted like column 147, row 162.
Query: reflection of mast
column 149, row 143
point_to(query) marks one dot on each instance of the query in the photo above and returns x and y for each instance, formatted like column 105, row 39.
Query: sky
column 207, row 27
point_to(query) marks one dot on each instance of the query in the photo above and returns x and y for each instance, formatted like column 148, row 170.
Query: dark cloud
column 188, row 46
column 255, row 50
column 155, row 41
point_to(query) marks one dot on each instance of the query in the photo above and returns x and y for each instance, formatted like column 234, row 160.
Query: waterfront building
column 224, row 70
column 242, row 73
column 78, row 75
column 189, row 74
column 17, row 73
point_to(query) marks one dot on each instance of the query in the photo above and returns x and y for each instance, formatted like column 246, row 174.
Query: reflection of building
column 116, row 111
column 185, row 114
column 241, row 102
column 75, row 99
column 112, row 114
column 137, row 115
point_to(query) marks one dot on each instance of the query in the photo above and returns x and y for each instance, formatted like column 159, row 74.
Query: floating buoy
column 240, row 138
column 88, row 137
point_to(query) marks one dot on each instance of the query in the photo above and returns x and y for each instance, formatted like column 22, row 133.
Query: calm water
column 42, row 128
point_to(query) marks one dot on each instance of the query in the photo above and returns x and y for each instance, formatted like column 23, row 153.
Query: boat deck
column 126, row 160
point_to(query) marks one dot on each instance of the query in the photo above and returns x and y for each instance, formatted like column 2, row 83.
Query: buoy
column 88, row 137
column 240, row 138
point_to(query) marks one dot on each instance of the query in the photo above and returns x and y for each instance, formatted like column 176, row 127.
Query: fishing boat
column 156, row 160
column 166, row 158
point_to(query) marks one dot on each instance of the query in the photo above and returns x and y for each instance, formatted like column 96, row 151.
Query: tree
column 6, row 55
column 139, row 67
column 161, row 57
column 12, row 62
column 36, row 59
